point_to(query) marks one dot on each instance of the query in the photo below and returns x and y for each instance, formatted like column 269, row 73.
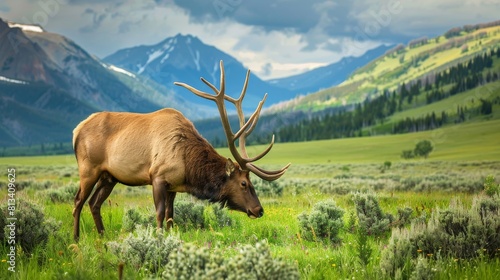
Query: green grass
column 279, row 226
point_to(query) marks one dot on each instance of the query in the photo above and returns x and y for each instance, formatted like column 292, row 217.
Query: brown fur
column 162, row 149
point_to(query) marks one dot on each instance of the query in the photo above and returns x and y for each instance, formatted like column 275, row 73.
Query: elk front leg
column 159, row 197
column 169, row 213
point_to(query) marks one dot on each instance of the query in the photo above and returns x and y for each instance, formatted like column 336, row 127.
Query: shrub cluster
column 62, row 194
column 158, row 253
column 33, row 185
column 32, row 228
column 133, row 218
column 198, row 215
column 187, row 215
column 268, row 189
column 252, row 262
column 344, row 185
column 425, row 177
column 147, row 249
column 490, row 187
column 324, row 221
column 371, row 218
column 456, row 232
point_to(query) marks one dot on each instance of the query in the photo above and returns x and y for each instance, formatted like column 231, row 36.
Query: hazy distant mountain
column 329, row 75
column 48, row 84
column 185, row 58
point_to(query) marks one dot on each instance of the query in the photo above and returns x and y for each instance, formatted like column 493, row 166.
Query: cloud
column 96, row 20
column 273, row 38
column 266, row 69
column 4, row 8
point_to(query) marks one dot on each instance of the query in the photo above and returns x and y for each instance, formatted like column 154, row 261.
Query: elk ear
column 229, row 167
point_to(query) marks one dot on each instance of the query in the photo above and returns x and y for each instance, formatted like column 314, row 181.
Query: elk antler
column 245, row 127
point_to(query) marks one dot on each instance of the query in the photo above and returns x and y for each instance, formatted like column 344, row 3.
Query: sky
column 273, row 38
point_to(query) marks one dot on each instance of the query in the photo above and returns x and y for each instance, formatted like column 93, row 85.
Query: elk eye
column 244, row 184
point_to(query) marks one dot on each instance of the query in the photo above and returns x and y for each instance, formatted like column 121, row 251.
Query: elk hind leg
column 87, row 182
column 104, row 188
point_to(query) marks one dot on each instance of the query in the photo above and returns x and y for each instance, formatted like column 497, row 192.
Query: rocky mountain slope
column 48, row 84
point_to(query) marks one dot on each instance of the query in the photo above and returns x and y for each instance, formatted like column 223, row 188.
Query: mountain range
column 48, row 83
column 184, row 58
column 329, row 75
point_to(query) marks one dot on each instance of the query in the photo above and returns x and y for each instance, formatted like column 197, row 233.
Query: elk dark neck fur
column 205, row 168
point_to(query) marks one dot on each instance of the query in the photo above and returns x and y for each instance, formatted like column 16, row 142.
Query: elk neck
column 204, row 167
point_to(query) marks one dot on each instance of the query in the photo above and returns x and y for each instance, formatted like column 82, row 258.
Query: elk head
column 239, row 193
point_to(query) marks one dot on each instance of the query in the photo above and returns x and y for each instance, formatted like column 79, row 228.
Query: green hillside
column 420, row 58
column 476, row 141
column 469, row 99
column 468, row 91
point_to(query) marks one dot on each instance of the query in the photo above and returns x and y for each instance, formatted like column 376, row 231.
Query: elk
column 163, row 149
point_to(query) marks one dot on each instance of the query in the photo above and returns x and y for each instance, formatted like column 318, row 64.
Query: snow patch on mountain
column 120, row 70
column 26, row 27
column 214, row 71
column 14, row 81
column 197, row 60
column 165, row 58
column 164, row 51
column 152, row 56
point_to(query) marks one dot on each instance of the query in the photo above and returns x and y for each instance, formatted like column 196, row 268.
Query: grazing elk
column 164, row 149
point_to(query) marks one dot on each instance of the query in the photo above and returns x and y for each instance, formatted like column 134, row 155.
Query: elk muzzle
column 255, row 212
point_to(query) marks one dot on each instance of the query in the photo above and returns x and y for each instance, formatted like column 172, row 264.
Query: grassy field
column 463, row 156
column 333, row 170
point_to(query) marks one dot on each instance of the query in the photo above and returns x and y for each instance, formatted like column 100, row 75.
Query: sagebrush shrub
column 403, row 216
column 252, row 262
column 423, row 271
column 132, row 218
column 363, row 248
column 216, row 217
column 147, row 248
column 32, row 228
column 62, row 194
column 324, row 221
column 339, row 188
column 266, row 188
column 33, row 184
column 196, row 215
column 490, row 187
column 397, row 257
column 187, row 215
column 456, row 232
column 372, row 219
